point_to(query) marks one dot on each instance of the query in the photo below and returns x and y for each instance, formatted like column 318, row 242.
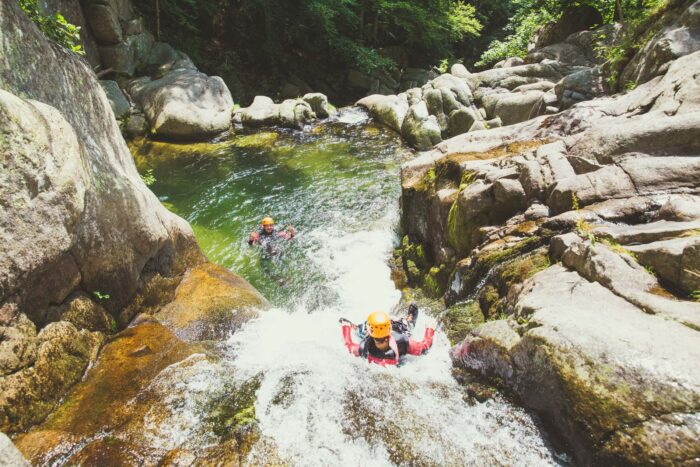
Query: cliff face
column 111, row 225
column 84, row 244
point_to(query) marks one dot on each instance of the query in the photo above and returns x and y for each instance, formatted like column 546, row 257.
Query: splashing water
column 338, row 184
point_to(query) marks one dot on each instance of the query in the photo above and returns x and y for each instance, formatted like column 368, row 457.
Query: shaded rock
column 104, row 23
column 184, row 104
column 319, row 104
column 136, row 125
column 294, row 113
column 210, row 303
column 117, row 99
column 682, row 37
column 162, row 58
column 83, row 313
column 574, row 19
column 128, row 56
column 62, row 356
column 562, row 52
column 18, row 347
column 389, row 110
column 462, row 120
column 420, row 129
column 415, row 77
column 676, row 261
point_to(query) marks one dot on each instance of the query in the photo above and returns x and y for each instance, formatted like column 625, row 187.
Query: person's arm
column 254, row 238
column 353, row 348
column 421, row 347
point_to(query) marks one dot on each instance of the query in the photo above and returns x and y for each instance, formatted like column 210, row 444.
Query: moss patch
column 460, row 319
column 257, row 140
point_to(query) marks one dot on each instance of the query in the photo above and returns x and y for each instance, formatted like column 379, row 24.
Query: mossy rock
column 460, row 319
column 435, row 281
column 264, row 139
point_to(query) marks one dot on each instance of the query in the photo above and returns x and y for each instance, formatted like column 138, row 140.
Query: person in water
column 385, row 344
column 268, row 232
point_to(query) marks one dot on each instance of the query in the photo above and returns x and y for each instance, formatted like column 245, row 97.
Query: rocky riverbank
column 575, row 237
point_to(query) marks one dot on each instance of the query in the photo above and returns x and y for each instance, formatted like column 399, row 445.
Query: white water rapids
column 317, row 403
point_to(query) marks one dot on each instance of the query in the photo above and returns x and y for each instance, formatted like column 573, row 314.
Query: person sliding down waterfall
column 267, row 236
column 387, row 340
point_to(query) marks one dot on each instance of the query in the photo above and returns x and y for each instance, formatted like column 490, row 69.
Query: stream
column 338, row 184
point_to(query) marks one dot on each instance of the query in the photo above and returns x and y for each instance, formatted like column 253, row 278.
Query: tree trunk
column 158, row 20
column 618, row 12
column 375, row 26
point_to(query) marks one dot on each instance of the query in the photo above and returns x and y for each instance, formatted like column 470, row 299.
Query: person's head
column 268, row 224
column 379, row 325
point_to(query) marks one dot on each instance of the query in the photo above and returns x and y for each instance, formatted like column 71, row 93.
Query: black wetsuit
column 368, row 347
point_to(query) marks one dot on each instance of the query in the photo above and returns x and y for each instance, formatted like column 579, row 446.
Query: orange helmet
column 267, row 221
column 379, row 324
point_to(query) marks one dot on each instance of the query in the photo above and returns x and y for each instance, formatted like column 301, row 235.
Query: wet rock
column 389, row 110
column 9, row 454
column 210, row 303
column 185, row 105
column 488, row 348
column 294, row 113
column 319, row 104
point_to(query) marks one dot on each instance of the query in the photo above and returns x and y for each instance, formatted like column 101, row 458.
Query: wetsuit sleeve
column 353, row 348
column 421, row 347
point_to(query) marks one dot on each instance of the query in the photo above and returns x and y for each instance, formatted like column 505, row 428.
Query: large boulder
column 210, row 303
column 518, row 107
column 185, row 105
column 389, row 110
column 128, row 56
column 677, row 261
column 319, row 104
column 262, row 112
column 104, row 23
column 583, row 85
column 420, row 129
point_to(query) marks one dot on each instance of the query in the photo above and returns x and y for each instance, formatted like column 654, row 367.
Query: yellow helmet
column 379, row 324
column 267, row 221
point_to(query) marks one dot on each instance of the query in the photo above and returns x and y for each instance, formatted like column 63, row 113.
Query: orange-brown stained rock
column 101, row 401
column 209, row 303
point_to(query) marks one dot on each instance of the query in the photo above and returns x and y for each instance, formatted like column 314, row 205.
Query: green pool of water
column 333, row 178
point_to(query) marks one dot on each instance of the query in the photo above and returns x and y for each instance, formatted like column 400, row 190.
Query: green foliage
column 101, row 296
column 54, row 26
column 148, row 177
column 695, row 295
